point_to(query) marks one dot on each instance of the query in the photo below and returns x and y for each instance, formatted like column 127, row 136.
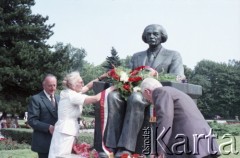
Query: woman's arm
column 95, row 98
column 92, row 99
column 90, row 84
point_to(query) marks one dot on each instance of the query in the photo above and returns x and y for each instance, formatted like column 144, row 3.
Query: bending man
column 182, row 130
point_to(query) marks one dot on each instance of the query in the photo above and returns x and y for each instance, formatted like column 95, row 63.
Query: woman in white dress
column 70, row 106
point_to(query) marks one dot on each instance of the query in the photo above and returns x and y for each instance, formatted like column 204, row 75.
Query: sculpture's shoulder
column 137, row 59
column 139, row 54
column 170, row 52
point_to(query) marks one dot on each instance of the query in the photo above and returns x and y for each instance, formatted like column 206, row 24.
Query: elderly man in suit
column 42, row 116
column 125, row 118
column 182, row 130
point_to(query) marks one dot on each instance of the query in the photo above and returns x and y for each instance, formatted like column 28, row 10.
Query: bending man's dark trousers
column 125, row 120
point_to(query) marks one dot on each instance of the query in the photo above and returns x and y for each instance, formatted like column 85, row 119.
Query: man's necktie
column 52, row 100
column 150, row 59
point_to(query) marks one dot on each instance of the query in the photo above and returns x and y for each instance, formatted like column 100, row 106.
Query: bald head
column 147, row 87
column 50, row 84
column 150, row 83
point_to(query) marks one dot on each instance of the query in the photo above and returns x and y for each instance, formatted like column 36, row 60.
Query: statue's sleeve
column 176, row 66
column 131, row 65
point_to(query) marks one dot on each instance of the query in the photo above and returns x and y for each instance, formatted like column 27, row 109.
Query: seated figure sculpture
column 125, row 118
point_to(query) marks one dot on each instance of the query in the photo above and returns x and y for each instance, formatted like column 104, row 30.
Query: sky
column 197, row 29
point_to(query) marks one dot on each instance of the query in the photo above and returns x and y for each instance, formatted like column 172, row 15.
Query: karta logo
column 182, row 143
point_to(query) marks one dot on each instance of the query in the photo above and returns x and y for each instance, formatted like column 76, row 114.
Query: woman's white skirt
column 61, row 145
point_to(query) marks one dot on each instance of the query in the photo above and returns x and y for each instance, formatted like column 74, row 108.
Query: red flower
column 83, row 150
column 138, row 69
column 134, row 72
column 112, row 73
column 126, row 87
column 135, row 155
column 134, row 79
column 124, row 155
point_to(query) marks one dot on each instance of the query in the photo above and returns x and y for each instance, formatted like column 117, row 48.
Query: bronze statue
column 125, row 118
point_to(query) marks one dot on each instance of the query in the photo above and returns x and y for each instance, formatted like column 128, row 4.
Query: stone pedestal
column 194, row 91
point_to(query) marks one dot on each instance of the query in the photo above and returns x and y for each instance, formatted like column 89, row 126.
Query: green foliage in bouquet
column 166, row 77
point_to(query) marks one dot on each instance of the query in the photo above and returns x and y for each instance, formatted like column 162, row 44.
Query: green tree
column 66, row 58
column 90, row 72
column 234, row 76
column 77, row 57
column 25, row 57
column 125, row 62
column 220, row 82
column 187, row 72
column 113, row 60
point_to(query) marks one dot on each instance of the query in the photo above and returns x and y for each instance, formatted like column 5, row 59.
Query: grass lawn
column 229, row 147
column 20, row 153
column 27, row 153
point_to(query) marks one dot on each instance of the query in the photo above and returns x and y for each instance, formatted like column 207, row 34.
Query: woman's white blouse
column 69, row 109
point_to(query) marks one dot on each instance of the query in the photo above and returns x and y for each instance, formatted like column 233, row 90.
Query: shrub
column 9, row 144
column 86, row 137
column 25, row 135
column 23, row 126
column 18, row 134
column 221, row 129
column 88, row 110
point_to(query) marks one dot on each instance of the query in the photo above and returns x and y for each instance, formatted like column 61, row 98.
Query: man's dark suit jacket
column 178, row 113
column 41, row 114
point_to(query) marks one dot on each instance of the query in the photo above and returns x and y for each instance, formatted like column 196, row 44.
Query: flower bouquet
column 132, row 156
column 84, row 150
column 127, row 81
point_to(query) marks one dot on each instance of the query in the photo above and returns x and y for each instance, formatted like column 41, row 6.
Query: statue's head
column 155, row 28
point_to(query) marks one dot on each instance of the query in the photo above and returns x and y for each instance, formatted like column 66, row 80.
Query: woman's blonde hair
column 71, row 79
